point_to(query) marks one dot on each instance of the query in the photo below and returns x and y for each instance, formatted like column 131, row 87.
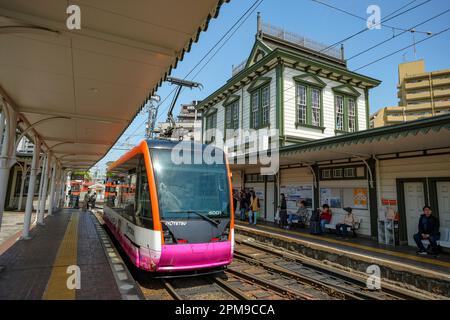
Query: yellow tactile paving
column 367, row 248
column 67, row 256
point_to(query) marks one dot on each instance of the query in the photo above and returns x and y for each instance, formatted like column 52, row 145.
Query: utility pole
column 152, row 111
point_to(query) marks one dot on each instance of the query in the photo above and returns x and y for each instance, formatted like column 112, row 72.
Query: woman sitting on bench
column 348, row 223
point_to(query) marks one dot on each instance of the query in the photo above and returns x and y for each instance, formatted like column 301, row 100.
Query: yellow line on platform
column 67, row 256
column 364, row 247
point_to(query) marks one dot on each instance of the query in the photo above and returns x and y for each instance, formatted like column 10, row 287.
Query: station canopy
column 80, row 89
column 425, row 136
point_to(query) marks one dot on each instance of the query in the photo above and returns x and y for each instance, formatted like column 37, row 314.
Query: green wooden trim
column 309, row 86
column 328, row 66
column 231, row 98
column 345, row 88
column 366, row 96
column 210, row 112
column 310, row 126
column 203, row 131
column 257, row 46
column 279, row 80
column 377, row 133
column 317, row 82
column 258, row 83
column 280, row 53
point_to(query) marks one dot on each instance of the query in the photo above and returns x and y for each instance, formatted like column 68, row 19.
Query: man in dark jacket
column 428, row 230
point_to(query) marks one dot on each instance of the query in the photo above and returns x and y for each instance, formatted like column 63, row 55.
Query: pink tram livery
column 171, row 217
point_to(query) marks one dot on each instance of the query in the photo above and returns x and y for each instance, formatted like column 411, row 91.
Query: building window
column 309, row 105
column 210, row 126
column 351, row 115
column 346, row 113
column 349, row 172
column 343, row 173
column 260, row 107
column 337, row 173
column 265, row 105
column 301, row 104
column 232, row 116
column 255, row 109
column 326, row 174
column 315, row 107
column 339, row 105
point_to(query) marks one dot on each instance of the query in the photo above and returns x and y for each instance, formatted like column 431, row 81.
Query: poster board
column 294, row 194
column 356, row 198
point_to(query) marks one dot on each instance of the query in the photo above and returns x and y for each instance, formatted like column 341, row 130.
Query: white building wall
column 244, row 95
column 328, row 108
column 420, row 167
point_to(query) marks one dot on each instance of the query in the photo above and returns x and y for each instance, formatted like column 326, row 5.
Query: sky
column 320, row 23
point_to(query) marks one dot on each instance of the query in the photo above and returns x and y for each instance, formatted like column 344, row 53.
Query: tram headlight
column 168, row 237
column 225, row 233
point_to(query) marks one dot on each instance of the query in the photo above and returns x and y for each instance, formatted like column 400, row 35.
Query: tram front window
column 190, row 191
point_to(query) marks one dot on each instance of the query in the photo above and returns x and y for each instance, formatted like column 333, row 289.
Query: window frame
column 310, row 86
column 258, row 92
column 347, row 93
column 213, row 117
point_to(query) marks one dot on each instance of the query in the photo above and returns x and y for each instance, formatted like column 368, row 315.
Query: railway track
column 262, row 272
column 333, row 281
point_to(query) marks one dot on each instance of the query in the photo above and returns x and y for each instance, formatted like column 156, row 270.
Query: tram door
column 443, row 196
column 414, row 202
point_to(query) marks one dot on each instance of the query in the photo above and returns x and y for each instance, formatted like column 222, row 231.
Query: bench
column 338, row 218
column 444, row 240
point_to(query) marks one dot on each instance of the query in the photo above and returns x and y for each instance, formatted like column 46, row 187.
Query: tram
column 171, row 217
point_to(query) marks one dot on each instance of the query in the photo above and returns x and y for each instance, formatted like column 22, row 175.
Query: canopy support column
column 7, row 152
column 44, row 190
column 51, row 201
column 22, row 185
column 31, row 187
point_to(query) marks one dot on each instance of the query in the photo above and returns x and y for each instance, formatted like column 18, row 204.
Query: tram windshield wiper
column 199, row 214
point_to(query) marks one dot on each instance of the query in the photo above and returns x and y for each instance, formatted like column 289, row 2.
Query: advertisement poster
column 360, row 198
column 295, row 194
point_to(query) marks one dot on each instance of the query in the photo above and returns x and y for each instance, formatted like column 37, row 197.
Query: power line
column 397, row 35
column 251, row 8
column 390, row 17
column 397, row 51
column 246, row 14
column 364, row 18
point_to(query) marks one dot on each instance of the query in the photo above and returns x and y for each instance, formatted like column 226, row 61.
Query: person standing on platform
column 283, row 212
column 86, row 201
column 254, row 208
column 243, row 205
column 428, row 230
column 325, row 217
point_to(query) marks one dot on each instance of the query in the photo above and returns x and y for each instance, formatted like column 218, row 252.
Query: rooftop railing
column 301, row 41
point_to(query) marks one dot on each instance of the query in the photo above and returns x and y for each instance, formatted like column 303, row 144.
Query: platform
column 41, row 268
column 400, row 264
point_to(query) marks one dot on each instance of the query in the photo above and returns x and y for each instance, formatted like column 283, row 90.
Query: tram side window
column 128, row 195
column 144, row 210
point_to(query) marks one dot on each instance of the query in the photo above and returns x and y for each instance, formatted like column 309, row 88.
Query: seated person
column 301, row 214
column 347, row 224
column 325, row 217
column 429, row 230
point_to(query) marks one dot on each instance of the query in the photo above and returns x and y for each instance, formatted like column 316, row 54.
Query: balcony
column 418, row 96
column 441, row 93
column 441, row 82
column 394, row 118
column 417, row 85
